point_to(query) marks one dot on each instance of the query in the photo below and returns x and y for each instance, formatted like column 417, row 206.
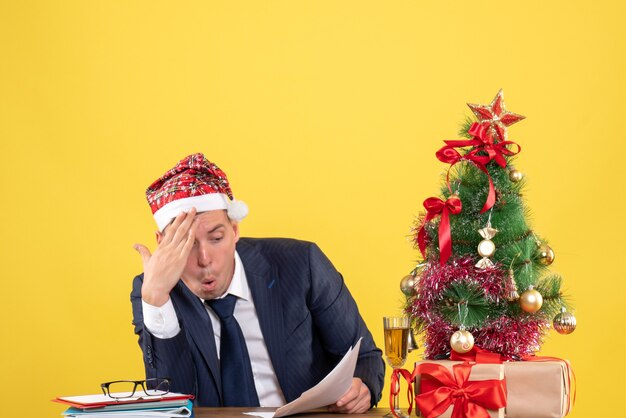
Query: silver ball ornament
column 564, row 323
column 407, row 285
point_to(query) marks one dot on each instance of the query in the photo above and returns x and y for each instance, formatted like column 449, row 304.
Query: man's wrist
column 154, row 297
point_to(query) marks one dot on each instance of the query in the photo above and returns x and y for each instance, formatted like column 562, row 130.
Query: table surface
column 200, row 412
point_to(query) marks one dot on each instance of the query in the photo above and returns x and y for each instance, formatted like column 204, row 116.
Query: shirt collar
column 239, row 284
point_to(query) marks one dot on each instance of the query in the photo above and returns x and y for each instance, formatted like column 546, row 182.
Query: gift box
column 443, row 385
column 539, row 388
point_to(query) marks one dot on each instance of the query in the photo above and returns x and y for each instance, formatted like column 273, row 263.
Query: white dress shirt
column 162, row 322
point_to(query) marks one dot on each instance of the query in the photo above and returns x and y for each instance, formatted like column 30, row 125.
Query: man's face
column 211, row 263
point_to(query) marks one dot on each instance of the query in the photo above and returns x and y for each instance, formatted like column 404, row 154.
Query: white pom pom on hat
column 237, row 210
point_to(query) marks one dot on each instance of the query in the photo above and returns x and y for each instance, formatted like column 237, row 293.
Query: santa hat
column 194, row 182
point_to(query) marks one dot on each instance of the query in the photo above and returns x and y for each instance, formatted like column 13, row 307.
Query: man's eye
column 217, row 239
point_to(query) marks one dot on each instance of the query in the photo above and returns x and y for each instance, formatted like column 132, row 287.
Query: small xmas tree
column 484, row 278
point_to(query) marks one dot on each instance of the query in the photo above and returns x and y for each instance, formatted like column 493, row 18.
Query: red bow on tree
column 435, row 206
column 483, row 143
column 495, row 150
column 469, row 398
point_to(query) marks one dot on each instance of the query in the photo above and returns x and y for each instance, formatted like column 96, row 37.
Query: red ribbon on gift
column 482, row 142
column 435, row 206
column 468, row 398
column 478, row 355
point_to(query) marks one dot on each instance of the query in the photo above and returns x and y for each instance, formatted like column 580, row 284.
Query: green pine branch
column 465, row 304
column 553, row 299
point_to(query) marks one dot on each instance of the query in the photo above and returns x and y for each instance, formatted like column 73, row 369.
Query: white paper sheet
column 326, row 392
column 261, row 414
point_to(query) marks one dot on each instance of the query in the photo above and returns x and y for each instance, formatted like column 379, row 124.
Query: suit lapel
column 265, row 288
column 199, row 328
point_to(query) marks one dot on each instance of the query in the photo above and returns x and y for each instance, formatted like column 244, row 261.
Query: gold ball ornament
column 531, row 300
column 516, row 176
column 564, row 323
column 546, row 255
column 407, row 285
column 462, row 341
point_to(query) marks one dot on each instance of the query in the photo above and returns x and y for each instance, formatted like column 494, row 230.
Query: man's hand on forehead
column 163, row 269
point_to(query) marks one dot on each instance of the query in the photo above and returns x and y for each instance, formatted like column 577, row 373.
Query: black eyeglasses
column 119, row 389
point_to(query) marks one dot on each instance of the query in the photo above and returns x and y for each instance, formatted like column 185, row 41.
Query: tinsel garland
column 510, row 336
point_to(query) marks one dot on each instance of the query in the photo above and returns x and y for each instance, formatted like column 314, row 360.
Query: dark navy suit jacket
column 307, row 316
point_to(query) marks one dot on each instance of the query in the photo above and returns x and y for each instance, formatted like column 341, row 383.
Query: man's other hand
column 355, row 401
column 162, row 270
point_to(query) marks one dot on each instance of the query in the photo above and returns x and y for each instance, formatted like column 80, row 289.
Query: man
column 241, row 321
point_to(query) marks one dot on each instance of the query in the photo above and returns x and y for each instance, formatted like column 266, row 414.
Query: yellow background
column 326, row 115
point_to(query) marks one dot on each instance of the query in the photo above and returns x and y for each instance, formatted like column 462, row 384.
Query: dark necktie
column 237, row 380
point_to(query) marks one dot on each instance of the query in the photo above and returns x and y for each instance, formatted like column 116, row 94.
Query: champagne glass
column 396, row 349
